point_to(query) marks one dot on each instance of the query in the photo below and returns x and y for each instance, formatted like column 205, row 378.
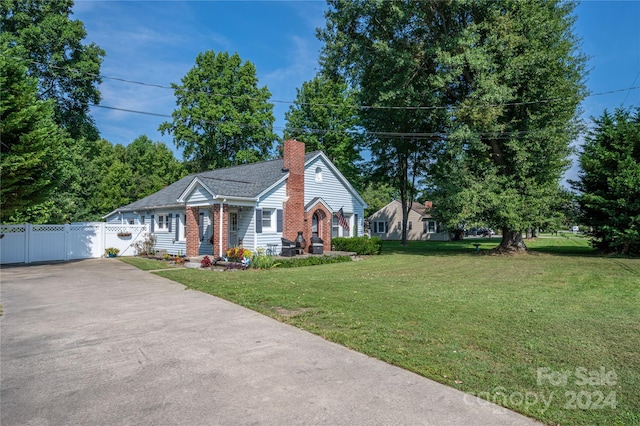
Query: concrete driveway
column 98, row 342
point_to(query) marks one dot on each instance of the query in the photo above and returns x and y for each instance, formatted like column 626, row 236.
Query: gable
column 323, row 180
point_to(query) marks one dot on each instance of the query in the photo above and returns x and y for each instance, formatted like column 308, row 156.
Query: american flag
column 342, row 220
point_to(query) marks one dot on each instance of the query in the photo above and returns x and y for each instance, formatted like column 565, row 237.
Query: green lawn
column 146, row 264
column 554, row 334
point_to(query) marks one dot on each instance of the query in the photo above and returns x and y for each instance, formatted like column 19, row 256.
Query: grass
column 146, row 264
column 506, row 328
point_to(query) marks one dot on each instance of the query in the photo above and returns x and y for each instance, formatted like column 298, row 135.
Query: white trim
column 321, row 201
column 196, row 180
column 165, row 228
column 340, row 176
column 220, row 218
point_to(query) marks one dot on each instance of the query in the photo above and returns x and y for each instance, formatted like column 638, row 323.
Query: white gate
column 40, row 243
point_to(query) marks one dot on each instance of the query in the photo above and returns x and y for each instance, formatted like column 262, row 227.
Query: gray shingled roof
column 247, row 180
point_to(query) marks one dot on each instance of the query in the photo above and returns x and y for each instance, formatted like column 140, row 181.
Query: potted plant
column 111, row 251
column 124, row 234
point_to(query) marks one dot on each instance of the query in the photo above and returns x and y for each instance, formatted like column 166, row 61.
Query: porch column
column 193, row 231
column 221, row 225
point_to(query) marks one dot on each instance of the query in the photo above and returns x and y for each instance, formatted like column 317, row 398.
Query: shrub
column 205, row 262
column 310, row 261
column 260, row 260
column 360, row 245
column 145, row 246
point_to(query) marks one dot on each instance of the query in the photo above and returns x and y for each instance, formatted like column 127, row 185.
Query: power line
column 379, row 134
column 361, row 107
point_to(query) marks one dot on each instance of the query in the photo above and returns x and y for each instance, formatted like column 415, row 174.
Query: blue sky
column 156, row 42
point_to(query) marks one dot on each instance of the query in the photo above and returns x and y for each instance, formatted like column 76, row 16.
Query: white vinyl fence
column 41, row 243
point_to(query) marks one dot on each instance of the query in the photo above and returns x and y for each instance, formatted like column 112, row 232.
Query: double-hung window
column 380, row 227
column 162, row 222
column 267, row 220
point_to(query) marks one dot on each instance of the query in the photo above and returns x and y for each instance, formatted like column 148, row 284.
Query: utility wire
column 379, row 134
column 362, row 107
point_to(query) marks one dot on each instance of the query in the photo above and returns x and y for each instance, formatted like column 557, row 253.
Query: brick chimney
column 293, row 207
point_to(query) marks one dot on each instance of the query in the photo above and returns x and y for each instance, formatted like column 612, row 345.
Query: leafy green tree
column 498, row 83
column 223, row 117
column 325, row 118
column 31, row 143
column 377, row 195
column 609, row 182
column 153, row 166
column 385, row 51
column 518, row 80
column 67, row 70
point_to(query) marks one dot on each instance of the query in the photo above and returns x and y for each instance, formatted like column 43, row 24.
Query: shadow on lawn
column 485, row 245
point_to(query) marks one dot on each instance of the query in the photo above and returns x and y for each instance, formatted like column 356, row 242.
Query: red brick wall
column 193, row 230
column 217, row 250
column 324, row 225
column 293, row 208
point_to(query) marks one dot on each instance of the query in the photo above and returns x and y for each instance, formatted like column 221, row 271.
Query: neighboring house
column 386, row 223
column 253, row 205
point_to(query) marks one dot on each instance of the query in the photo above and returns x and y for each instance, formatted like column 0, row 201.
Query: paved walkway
column 98, row 342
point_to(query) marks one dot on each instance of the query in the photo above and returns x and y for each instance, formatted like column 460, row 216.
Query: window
column 318, row 174
column 429, row 227
column 410, row 225
column 131, row 221
column 163, row 222
column 339, row 231
column 380, row 227
column 267, row 220
column 335, row 227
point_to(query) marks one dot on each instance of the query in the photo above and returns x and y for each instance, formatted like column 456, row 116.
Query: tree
column 385, row 51
column 68, row 71
column 498, row 84
column 609, row 182
column 152, row 165
column 31, row 142
column 117, row 175
column 325, row 118
column 223, row 118
column 518, row 79
column 377, row 195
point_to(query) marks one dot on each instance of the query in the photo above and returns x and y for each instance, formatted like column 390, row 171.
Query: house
column 253, row 205
column 386, row 223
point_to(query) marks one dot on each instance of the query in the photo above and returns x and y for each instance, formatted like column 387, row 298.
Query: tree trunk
column 511, row 242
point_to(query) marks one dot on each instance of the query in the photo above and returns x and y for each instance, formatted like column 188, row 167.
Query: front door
column 233, row 229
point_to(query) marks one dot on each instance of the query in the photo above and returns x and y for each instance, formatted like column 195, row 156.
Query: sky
column 156, row 43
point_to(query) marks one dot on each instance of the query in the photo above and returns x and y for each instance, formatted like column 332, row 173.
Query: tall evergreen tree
column 31, row 142
column 67, row 70
column 609, row 182
column 223, row 117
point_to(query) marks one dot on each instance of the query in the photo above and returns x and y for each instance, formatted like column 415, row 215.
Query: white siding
column 198, row 196
column 165, row 239
column 333, row 192
column 271, row 200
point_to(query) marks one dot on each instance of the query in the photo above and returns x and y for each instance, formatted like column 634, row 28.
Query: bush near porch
column 361, row 245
